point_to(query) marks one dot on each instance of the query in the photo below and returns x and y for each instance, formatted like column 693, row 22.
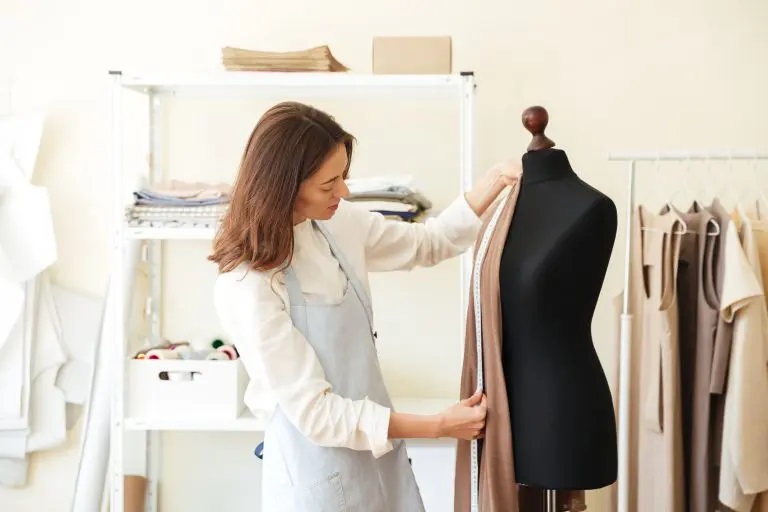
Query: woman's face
column 319, row 195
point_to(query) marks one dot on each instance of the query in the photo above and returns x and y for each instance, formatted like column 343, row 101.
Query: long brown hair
column 287, row 146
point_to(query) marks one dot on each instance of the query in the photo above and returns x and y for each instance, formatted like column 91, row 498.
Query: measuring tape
column 479, row 258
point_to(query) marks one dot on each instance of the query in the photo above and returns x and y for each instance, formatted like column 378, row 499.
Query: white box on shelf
column 185, row 390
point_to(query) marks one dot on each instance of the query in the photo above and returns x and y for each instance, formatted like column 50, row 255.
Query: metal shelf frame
column 459, row 87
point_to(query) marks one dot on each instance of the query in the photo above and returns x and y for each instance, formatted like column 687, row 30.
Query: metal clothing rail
column 626, row 315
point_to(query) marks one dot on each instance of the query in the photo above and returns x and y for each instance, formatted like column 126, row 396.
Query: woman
column 293, row 295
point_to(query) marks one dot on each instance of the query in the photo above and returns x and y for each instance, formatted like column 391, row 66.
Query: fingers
column 474, row 399
column 475, row 434
column 481, row 410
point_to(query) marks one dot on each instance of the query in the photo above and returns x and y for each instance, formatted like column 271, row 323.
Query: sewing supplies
column 167, row 345
column 162, row 353
column 183, row 350
column 229, row 350
column 217, row 350
column 217, row 344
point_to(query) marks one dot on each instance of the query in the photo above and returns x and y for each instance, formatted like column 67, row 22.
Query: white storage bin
column 170, row 389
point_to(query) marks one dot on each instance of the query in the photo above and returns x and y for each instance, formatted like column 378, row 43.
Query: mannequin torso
column 552, row 269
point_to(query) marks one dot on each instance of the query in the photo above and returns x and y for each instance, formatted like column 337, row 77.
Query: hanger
column 671, row 200
column 713, row 228
column 682, row 226
column 709, row 178
column 672, row 209
column 738, row 206
column 761, row 199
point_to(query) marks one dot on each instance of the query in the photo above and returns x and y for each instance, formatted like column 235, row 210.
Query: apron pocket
column 325, row 495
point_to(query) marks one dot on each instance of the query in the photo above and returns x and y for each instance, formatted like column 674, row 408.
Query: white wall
column 647, row 75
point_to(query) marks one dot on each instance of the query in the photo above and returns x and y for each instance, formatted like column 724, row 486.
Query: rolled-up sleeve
column 276, row 353
column 397, row 245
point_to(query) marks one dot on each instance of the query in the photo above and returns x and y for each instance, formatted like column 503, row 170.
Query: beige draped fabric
column 499, row 491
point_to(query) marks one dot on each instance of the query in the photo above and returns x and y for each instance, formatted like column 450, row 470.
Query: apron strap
column 292, row 285
column 296, row 298
column 357, row 286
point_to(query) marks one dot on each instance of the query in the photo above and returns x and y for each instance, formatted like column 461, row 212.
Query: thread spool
column 228, row 350
column 162, row 353
column 217, row 343
column 217, row 356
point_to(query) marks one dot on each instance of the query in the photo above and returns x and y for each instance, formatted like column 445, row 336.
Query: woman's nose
column 343, row 189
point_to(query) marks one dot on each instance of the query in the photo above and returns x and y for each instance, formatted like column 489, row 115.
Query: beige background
column 646, row 76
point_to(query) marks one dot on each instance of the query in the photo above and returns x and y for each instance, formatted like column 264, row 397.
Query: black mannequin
column 552, row 269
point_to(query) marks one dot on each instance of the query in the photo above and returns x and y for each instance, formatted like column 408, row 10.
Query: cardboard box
column 419, row 55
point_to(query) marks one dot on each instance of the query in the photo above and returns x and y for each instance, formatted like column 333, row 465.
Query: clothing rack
column 626, row 315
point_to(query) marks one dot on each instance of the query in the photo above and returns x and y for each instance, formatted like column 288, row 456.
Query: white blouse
column 254, row 311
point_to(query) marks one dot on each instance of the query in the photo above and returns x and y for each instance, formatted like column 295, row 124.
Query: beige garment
column 498, row 487
column 660, row 458
column 655, row 433
column 703, row 471
column 744, row 456
column 692, row 341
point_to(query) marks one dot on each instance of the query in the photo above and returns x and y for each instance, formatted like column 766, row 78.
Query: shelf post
column 154, row 263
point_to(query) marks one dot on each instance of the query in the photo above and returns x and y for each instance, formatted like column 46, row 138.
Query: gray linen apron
column 329, row 479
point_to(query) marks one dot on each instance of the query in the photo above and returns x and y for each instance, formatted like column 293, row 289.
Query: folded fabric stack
column 179, row 204
column 394, row 197
column 319, row 58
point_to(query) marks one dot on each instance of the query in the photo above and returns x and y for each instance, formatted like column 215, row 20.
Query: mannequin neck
column 546, row 165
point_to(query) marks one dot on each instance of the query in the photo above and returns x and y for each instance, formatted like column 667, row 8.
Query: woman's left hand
column 501, row 175
column 508, row 171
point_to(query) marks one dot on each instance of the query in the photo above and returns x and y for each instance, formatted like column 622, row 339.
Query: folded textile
column 404, row 216
column 157, row 212
column 214, row 209
column 395, row 188
column 190, row 190
column 400, row 195
column 205, row 216
column 380, row 183
column 393, row 205
column 174, row 223
column 318, row 58
column 149, row 199
column 180, row 193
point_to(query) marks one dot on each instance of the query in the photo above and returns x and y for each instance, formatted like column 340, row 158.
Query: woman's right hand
column 466, row 419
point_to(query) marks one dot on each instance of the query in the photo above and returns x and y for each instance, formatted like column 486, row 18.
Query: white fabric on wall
column 48, row 409
column 80, row 323
column 48, row 335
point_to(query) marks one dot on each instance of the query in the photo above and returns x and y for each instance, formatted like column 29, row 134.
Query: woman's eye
column 326, row 189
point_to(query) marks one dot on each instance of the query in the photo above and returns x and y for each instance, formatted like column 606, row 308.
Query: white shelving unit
column 459, row 87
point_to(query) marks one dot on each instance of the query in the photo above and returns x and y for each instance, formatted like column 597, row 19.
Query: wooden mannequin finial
column 535, row 120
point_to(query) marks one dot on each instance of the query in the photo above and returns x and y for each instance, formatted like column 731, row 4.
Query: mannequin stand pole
column 551, row 501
